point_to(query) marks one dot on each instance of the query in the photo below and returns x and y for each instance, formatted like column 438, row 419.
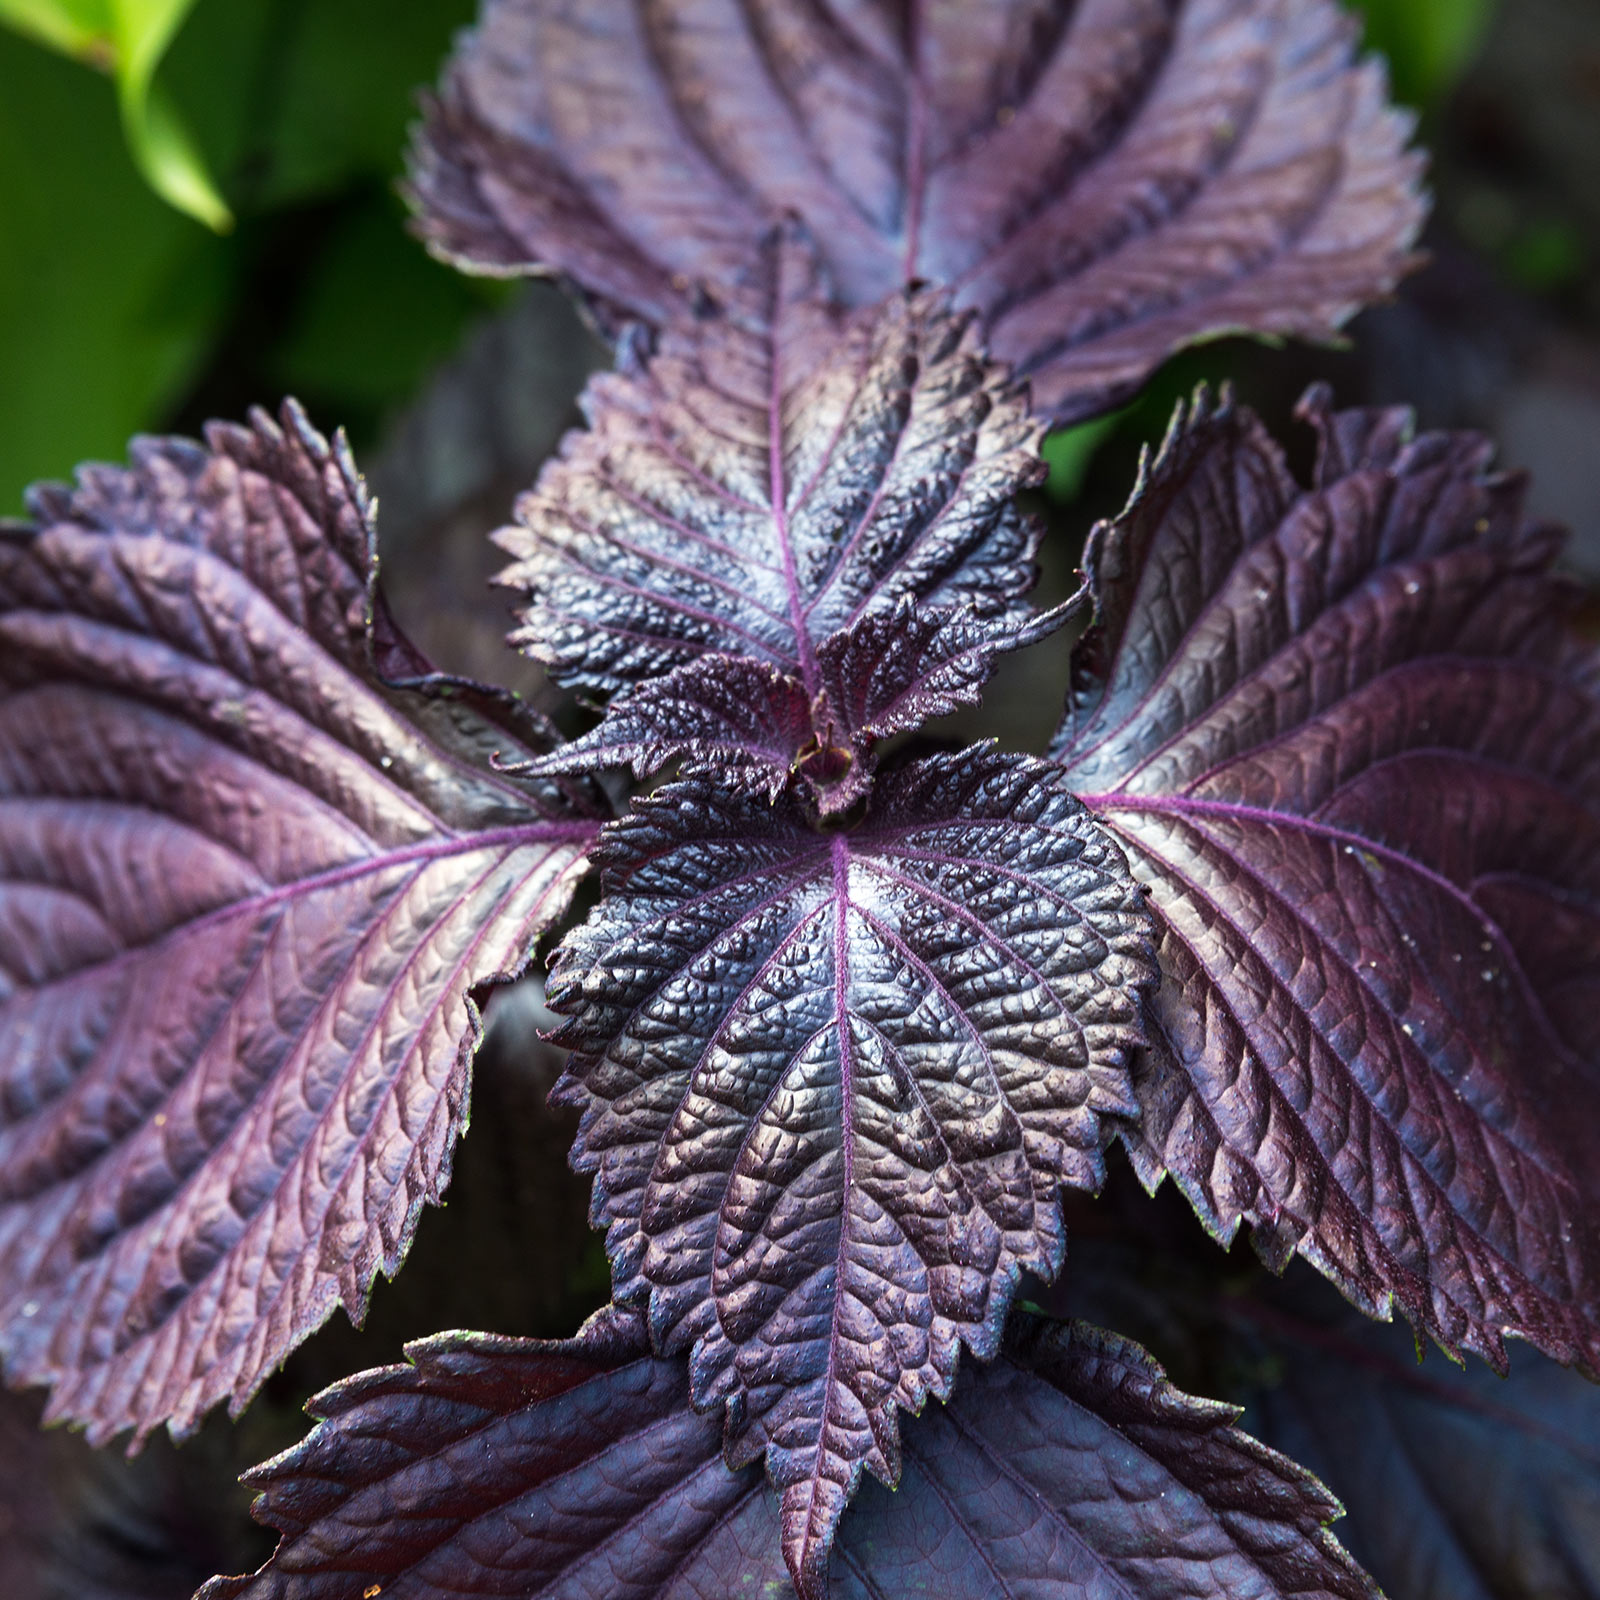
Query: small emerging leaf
column 833, row 1082
column 777, row 489
column 249, row 882
column 889, row 673
column 1102, row 181
column 1354, row 753
column 497, row 1467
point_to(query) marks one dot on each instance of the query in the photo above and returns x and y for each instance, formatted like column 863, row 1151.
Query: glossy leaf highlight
column 254, row 862
column 780, row 489
column 1354, row 753
column 832, row 1083
column 1069, row 1467
column 1102, row 182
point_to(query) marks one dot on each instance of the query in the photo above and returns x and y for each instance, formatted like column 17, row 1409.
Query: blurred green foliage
column 1429, row 43
column 128, row 38
column 118, row 313
column 1069, row 452
column 107, row 296
column 1546, row 256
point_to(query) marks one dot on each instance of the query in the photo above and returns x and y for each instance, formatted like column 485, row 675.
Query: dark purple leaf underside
column 1460, row 1485
column 832, row 1083
column 496, row 1467
column 246, row 892
column 1102, row 181
column 1355, row 756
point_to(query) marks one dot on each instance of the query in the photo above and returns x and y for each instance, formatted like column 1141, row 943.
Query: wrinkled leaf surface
column 249, row 880
column 781, row 489
column 1353, row 752
column 1069, row 1467
column 832, row 1083
column 1102, row 181
column 889, row 673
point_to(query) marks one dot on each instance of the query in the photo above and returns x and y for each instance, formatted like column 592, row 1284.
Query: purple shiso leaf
column 254, row 861
column 502, row 1467
column 1460, row 1485
column 1353, row 751
column 889, row 673
column 763, row 487
column 832, row 1083
column 748, row 719
column 763, row 483
column 1101, row 181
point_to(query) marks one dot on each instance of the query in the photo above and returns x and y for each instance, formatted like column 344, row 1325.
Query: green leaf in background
column 374, row 320
column 108, row 297
column 74, row 27
column 1429, row 43
column 1546, row 256
column 161, row 144
column 128, row 38
column 119, row 315
column 331, row 119
column 1069, row 451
